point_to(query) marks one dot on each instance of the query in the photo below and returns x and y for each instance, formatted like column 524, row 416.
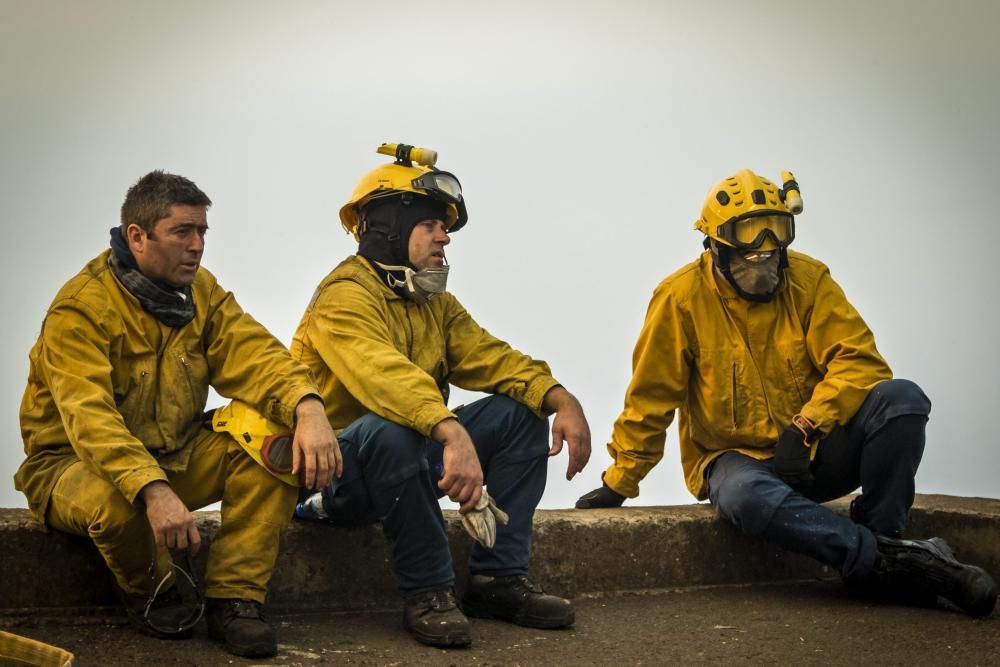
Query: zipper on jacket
column 795, row 381
column 734, row 396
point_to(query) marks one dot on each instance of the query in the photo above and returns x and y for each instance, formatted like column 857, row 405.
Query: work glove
column 791, row 455
column 481, row 521
column 602, row 497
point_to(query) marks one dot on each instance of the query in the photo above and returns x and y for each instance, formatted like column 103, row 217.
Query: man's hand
column 172, row 523
column 463, row 475
column 316, row 455
column 791, row 459
column 570, row 425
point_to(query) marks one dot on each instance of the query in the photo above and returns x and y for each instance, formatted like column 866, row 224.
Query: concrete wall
column 574, row 552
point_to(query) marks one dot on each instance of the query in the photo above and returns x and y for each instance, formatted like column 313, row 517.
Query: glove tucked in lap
column 791, row 454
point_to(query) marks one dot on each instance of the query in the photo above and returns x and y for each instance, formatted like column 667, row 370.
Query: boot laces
column 245, row 609
column 443, row 600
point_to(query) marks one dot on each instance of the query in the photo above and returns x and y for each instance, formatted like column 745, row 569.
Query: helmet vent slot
column 758, row 197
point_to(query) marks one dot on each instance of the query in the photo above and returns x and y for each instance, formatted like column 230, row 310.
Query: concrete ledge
column 573, row 553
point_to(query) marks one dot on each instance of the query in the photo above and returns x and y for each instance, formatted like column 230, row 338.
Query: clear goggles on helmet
column 439, row 184
column 751, row 233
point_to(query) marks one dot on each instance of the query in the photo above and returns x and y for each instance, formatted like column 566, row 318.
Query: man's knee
column 385, row 452
column 902, row 397
column 887, row 401
column 83, row 503
column 519, row 428
column 908, row 394
column 375, row 435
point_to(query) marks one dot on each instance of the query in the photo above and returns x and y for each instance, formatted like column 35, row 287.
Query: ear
column 136, row 238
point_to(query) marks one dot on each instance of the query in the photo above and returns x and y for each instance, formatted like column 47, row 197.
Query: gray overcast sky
column 586, row 135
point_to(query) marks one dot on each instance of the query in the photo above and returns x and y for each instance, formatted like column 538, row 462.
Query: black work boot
column 516, row 599
column 433, row 618
column 930, row 566
column 242, row 626
column 604, row 496
column 165, row 618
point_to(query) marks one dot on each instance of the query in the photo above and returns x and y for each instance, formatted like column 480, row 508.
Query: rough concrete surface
column 573, row 552
column 812, row 623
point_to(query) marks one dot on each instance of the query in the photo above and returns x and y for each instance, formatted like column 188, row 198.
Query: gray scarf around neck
column 175, row 308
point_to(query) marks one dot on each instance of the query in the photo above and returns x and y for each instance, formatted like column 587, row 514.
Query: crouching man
column 112, row 421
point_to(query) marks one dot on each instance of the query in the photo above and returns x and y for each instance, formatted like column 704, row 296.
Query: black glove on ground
column 602, row 497
column 791, row 460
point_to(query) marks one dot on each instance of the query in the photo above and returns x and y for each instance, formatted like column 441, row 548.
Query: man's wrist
column 556, row 398
column 154, row 490
column 447, row 431
column 308, row 405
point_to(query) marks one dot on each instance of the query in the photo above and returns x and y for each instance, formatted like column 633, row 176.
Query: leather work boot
column 931, row 567
column 165, row 616
column 434, row 619
column 242, row 626
column 516, row 599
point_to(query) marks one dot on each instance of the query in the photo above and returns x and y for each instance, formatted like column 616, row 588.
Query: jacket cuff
column 616, row 480
column 824, row 423
column 534, row 395
column 430, row 416
column 133, row 483
column 283, row 411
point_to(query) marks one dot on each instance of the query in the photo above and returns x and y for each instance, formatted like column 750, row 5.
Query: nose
column 197, row 244
column 441, row 235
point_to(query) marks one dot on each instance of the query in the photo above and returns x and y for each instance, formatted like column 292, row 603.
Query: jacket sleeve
column 76, row 364
column 247, row 362
column 351, row 335
column 842, row 347
column 660, row 374
column 478, row 361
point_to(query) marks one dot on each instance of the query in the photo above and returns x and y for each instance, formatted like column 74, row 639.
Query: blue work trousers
column 391, row 474
column 878, row 450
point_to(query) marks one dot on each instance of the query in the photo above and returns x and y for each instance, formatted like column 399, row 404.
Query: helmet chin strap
column 721, row 258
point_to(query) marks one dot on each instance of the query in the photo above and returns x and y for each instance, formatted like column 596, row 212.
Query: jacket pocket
column 132, row 404
column 135, row 391
column 800, row 389
column 734, row 398
column 194, row 370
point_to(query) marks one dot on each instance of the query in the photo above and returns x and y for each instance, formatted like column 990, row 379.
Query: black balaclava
column 387, row 223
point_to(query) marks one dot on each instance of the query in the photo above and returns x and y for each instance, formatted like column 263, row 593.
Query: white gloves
column 481, row 522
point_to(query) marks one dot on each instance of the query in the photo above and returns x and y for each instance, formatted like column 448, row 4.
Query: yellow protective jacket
column 112, row 386
column 371, row 350
column 739, row 370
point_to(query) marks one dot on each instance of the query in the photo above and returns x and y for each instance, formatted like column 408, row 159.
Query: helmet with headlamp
column 412, row 172
column 749, row 212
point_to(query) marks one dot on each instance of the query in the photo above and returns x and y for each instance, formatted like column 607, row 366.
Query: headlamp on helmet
column 413, row 172
column 749, row 212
